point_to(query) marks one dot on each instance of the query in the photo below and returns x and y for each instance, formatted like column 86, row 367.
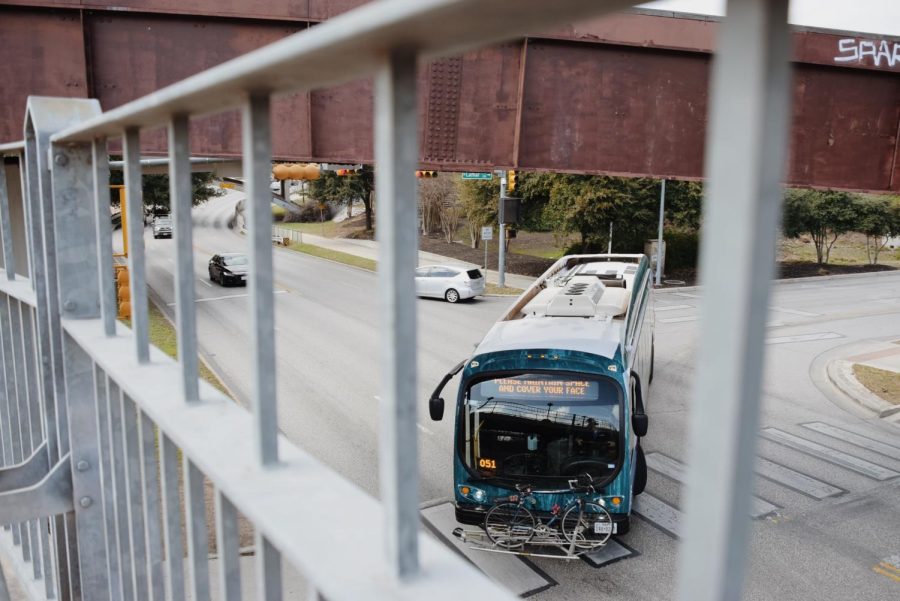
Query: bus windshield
column 540, row 427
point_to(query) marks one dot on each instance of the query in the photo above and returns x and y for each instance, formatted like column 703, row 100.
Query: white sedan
column 449, row 283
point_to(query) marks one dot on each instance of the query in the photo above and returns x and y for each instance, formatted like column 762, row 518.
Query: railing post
column 745, row 156
column 396, row 157
column 74, row 225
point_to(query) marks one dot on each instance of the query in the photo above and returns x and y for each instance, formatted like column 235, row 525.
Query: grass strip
column 501, row 291
column 883, row 383
column 333, row 255
column 363, row 263
column 163, row 337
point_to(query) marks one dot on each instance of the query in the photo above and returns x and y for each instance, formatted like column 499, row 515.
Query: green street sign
column 477, row 175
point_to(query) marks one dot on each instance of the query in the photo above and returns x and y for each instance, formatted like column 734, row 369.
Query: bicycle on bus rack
column 510, row 526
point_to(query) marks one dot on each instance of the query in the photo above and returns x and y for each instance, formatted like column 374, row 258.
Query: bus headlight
column 470, row 492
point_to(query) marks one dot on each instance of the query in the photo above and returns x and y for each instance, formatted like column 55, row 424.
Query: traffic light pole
column 501, row 263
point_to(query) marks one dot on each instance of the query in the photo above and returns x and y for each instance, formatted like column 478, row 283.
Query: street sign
column 477, row 175
column 487, row 233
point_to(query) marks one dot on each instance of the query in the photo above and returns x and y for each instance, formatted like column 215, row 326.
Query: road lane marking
column 672, row 307
column 686, row 294
column 795, row 312
column 659, row 513
column 678, row 319
column 888, row 567
column 418, row 425
column 794, row 480
column 674, row 469
column 204, row 282
column 855, row 439
column 803, row 338
column 227, row 297
column 860, row 466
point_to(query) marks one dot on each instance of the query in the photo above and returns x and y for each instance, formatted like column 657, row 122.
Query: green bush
column 682, row 249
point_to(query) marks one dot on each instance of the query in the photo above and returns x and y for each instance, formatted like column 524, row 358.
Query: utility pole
column 501, row 264
column 659, row 237
column 609, row 242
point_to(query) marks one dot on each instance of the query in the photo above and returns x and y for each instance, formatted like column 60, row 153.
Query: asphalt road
column 825, row 541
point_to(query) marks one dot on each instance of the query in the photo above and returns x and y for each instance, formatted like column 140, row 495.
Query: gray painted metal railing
column 106, row 443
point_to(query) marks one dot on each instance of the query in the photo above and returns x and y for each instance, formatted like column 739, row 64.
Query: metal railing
column 107, row 443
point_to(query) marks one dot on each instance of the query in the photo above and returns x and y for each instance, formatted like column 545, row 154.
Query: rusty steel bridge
column 625, row 94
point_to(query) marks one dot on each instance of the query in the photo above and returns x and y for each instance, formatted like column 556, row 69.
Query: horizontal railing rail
column 127, row 442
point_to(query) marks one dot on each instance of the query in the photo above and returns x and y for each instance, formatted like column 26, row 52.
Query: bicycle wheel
column 587, row 528
column 509, row 525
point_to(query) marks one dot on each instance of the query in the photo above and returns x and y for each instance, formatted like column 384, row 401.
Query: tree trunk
column 367, row 202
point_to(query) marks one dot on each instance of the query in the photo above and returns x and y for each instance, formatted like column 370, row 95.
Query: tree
column 439, row 206
column 156, row 189
column 587, row 204
column 823, row 214
column 879, row 219
column 478, row 199
column 335, row 189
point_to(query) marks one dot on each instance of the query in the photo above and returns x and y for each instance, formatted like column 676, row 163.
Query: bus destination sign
column 540, row 389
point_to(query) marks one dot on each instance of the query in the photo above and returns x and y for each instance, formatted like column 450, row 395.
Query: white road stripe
column 860, row 466
column 227, row 297
column 795, row 312
column 674, row 469
column 686, row 294
column 679, row 319
column 204, row 282
column 855, row 439
column 419, row 426
column 659, row 513
column 803, row 338
column 672, row 307
column 795, row 480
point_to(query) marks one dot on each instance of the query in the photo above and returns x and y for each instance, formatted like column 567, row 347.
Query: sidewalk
column 369, row 249
column 880, row 354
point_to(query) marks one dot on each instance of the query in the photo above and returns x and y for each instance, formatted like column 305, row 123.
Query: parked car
column 162, row 226
column 449, row 283
column 229, row 269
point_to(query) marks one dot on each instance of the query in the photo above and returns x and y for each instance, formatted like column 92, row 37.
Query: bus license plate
column 602, row 527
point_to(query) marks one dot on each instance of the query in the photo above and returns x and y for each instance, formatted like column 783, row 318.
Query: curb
column 804, row 280
column 840, row 373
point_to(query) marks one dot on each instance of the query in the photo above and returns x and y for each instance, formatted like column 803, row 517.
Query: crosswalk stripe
column 795, row 480
column 855, row 439
column 659, row 513
column 659, row 308
column 611, row 552
column 674, row 469
column 860, row 466
column 803, row 338
column 679, row 319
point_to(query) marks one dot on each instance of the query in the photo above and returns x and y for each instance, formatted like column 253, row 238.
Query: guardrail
column 106, row 443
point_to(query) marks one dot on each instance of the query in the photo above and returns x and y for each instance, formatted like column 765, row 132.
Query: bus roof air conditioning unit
column 578, row 299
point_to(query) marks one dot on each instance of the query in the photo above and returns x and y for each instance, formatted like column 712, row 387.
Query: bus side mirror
column 436, row 408
column 640, row 423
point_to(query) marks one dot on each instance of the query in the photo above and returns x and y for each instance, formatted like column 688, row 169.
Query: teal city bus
column 556, row 392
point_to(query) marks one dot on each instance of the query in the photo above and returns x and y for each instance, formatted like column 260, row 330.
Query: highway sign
column 477, row 175
column 487, row 233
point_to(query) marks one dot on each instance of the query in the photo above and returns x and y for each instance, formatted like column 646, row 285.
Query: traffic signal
column 123, row 292
column 511, row 181
column 296, row 171
column 426, row 173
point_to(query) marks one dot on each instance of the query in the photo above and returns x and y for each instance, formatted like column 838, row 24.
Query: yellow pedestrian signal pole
column 121, row 190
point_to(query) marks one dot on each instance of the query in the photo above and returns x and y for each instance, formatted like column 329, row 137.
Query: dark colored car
column 229, row 269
